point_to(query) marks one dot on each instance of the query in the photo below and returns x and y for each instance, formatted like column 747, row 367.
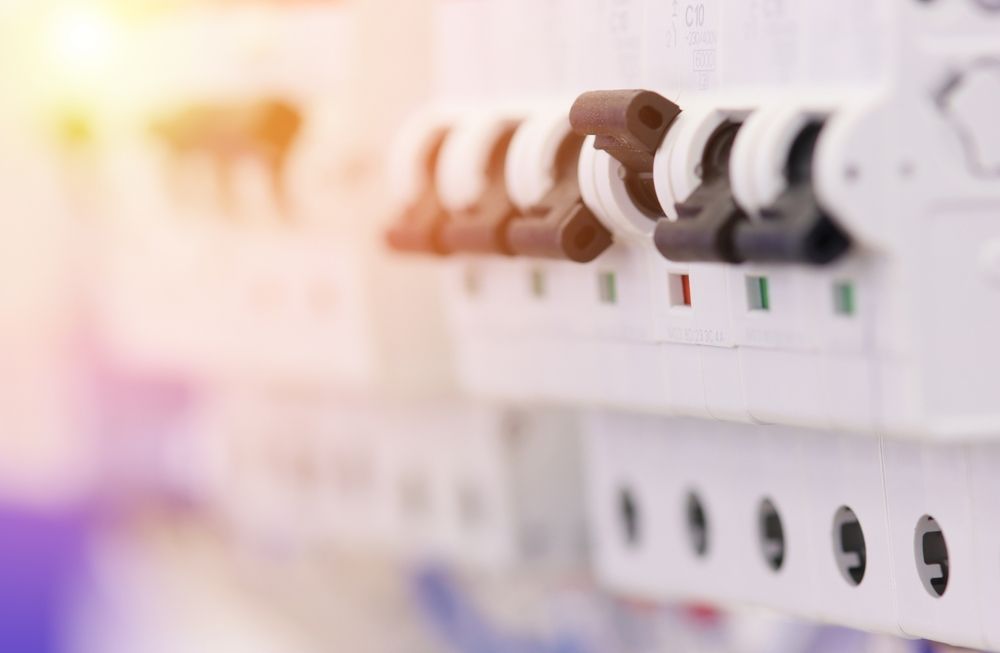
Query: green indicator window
column 844, row 299
column 538, row 283
column 470, row 281
column 608, row 288
column 758, row 294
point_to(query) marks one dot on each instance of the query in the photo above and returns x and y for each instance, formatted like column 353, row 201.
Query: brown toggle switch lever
column 561, row 226
column 628, row 125
column 265, row 131
column 482, row 228
column 419, row 228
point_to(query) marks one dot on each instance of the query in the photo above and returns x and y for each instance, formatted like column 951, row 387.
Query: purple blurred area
column 42, row 560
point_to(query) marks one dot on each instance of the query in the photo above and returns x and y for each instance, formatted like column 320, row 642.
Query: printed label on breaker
column 683, row 40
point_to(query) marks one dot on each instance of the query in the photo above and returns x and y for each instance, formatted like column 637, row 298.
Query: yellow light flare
column 82, row 41
column 83, row 53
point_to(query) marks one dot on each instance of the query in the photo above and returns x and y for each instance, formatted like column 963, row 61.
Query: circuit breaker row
column 537, row 187
column 882, row 535
column 726, row 259
column 488, row 489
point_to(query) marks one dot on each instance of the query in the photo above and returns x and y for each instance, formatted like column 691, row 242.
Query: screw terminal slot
column 931, row 550
column 772, row 535
column 697, row 524
column 849, row 548
column 629, row 514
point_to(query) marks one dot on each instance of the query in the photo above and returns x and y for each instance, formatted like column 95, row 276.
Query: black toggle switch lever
column 482, row 228
column 418, row 229
column 628, row 125
column 706, row 220
column 795, row 228
column 561, row 226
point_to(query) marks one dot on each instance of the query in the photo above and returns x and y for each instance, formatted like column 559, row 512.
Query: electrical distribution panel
column 695, row 299
column 754, row 244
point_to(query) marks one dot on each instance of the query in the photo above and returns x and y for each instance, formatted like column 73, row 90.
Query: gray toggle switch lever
column 706, row 220
column 795, row 228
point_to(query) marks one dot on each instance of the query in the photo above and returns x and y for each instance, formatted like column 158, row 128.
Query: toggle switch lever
column 628, row 125
column 419, row 228
column 561, row 226
column 482, row 227
column 706, row 220
column 264, row 131
column 795, row 228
